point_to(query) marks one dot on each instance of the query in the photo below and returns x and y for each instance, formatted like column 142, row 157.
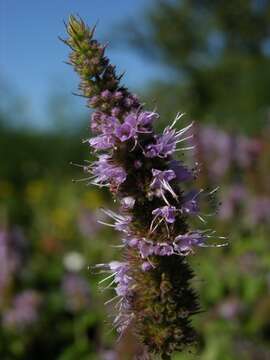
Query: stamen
column 108, row 277
column 164, row 198
column 157, row 225
column 213, row 191
column 177, row 118
column 111, row 300
column 169, row 188
column 186, row 148
column 184, row 139
column 202, row 219
column 104, row 223
column 84, row 179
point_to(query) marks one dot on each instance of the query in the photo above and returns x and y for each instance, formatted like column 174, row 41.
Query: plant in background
column 11, row 249
column 154, row 297
column 24, row 310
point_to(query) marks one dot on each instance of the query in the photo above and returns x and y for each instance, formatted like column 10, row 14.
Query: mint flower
column 106, row 173
column 153, row 293
column 166, row 144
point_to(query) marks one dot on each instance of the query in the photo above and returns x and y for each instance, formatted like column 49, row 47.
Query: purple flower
column 24, row 310
column 109, row 124
column 146, row 118
column 166, row 212
column 126, row 131
column 164, row 249
column 76, row 291
column 111, row 129
column 96, row 121
column 128, row 202
column 183, row 244
column 258, row 210
column 109, row 355
column 130, row 102
column 160, row 183
column 166, row 143
column 190, row 203
column 103, row 124
column 247, row 150
column 94, row 101
column 217, row 150
column 121, row 221
column 116, row 111
column 146, row 266
column 87, row 223
column 102, row 142
column 134, row 123
column 122, row 224
column 232, row 201
column 118, row 267
column 131, row 241
column 153, row 150
column 121, row 277
column 106, row 95
column 182, row 173
column 106, row 173
column 215, row 140
column 230, row 308
column 118, row 95
column 146, row 248
column 161, row 178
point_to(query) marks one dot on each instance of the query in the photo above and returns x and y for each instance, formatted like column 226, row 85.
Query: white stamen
column 108, row 277
column 184, row 139
column 111, row 300
column 135, row 144
column 108, row 286
column 218, row 245
column 177, row 118
column 213, row 191
column 169, row 188
column 157, row 225
column 164, row 198
column 186, row 148
column 104, row 223
column 202, row 219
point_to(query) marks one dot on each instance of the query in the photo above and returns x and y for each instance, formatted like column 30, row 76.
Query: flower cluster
column 253, row 209
column 76, row 291
column 223, row 151
column 241, row 162
column 24, row 310
column 153, row 292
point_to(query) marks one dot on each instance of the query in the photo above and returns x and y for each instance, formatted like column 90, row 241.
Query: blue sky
column 31, row 56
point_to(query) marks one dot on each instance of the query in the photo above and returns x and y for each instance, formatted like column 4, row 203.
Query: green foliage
column 217, row 54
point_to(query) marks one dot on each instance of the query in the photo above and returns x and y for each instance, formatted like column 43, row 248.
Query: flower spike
column 154, row 298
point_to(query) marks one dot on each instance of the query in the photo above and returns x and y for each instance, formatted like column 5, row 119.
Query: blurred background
column 209, row 59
